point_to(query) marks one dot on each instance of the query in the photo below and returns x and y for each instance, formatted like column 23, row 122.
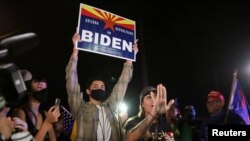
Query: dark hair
column 39, row 78
column 36, row 78
column 145, row 91
column 88, row 84
column 92, row 79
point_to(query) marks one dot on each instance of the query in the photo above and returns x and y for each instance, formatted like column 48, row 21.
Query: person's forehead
column 148, row 95
column 97, row 82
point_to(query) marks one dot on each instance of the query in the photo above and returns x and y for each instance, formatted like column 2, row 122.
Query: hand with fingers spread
column 160, row 101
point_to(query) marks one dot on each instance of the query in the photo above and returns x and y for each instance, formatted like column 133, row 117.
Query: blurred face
column 6, row 126
column 214, row 106
column 148, row 103
column 190, row 114
column 172, row 113
column 38, row 86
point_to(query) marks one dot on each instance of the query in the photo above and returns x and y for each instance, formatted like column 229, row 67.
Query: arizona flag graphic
column 106, row 33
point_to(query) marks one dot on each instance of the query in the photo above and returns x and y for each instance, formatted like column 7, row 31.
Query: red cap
column 216, row 95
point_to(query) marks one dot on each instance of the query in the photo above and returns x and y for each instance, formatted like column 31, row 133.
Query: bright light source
column 123, row 107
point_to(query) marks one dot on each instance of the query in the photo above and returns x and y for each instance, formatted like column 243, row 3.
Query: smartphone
column 57, row 102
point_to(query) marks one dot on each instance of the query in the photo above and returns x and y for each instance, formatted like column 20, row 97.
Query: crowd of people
column 97, row 118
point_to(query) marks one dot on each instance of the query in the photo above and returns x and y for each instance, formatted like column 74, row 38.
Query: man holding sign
column 97, row 118
column 108, row 34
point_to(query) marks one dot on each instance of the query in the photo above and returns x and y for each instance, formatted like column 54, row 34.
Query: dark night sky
column 191, row 47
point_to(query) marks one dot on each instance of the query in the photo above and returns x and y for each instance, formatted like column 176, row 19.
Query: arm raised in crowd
column 120, row 87
column 72, row 84
column 160, row 106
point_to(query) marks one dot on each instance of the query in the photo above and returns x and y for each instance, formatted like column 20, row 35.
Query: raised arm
column 160, row 107
column 135, row 48
column 72, row 85
column 120, row 87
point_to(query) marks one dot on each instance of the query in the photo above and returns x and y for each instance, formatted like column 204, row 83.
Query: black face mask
column 99, row 95
column 41, row 96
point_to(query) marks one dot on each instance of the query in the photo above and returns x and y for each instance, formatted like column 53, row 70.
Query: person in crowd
column 217, row 116
column 16, row 129
column 151, row 122
column 13, row 104
column 96, row 118
column 181, row 129
column 174, row 118
column 9, row 125
column 190, row 116
column 189, row 113
column 30, row 111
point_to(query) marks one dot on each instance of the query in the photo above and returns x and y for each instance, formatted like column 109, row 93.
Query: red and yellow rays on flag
column 110, row 19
